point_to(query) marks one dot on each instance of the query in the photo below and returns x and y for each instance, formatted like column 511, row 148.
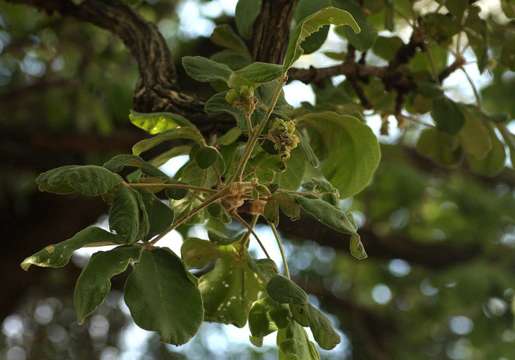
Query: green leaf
column 162, row 296
column 218, row 104
column 94, row 282
column 175, row 134
column 386, row 47
column 305, row 8
column 327, row 214
column 197, row 253
column 260, row 324
column 230, row 289
column 308, row 150
column 292, row 177
column 160, row 215
column 457, row 8
column 230, row 136
column 447, row 115
column 322, row 329
column 255, row 73
column 58, row 255
column 509, row 139
column 124, row 215
column 206, row 156
column 245, row 15
column 156, row 123
column 224, row 36
column 348, row 149
column 477, row 35
column 120, row 162
column 364, row 39
column 88, row 180
column 440, row 147
column 474, row 135
column 235, row 60
column 356, row 248
column 508, row 7
column 294, row 344
column 285, row 291
column 494, row 161
column 312, row 24
column 205, row 70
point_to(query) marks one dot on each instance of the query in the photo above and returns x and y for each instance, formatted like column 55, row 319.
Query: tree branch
column 157, row 89
column 271, row 30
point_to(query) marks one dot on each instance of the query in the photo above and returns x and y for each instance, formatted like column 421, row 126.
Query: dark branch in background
column 271, row 30
column 394, row 76
column 432, row 256
column 157, row 89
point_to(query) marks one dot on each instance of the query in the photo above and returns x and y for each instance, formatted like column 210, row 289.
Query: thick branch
column 157, row 89
column 434, row 256
column 271, row 30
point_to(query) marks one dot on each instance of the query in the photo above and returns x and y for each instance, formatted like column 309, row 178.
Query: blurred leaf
column 474, row 135
column 162, row 296
column 206, row 156
column 440, row 147
column 231, row 136
column 224, row 36
column 387, row 47
column 246, row 14
column 494, row 161
column 357, row 250
column 447, row 115
column 364, row 39
column 322, row 329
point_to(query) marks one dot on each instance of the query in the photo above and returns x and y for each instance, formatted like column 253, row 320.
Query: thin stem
column 473, row 86
column 251, row 230
column 173, row 186
column 255, row 135
column 189, row 215
column 281, row 249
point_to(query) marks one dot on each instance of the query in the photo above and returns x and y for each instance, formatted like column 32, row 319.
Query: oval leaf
column 58, row 255
column 88, row 180
column 162, row 296
column 205, row 70
column 348, row 149
column 285, row 291
column 94, row 282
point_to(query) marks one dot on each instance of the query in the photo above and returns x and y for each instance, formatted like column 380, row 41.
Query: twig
column 251, row 230
column 281, row 249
